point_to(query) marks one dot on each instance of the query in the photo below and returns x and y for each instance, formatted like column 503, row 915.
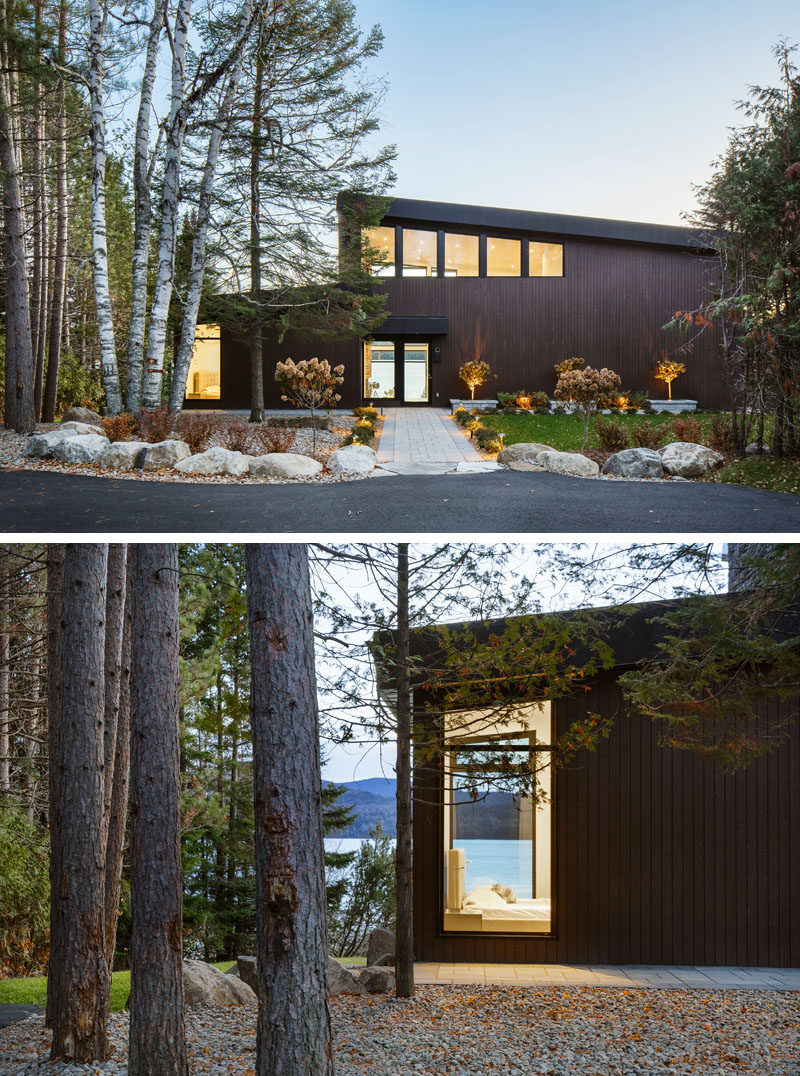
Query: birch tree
column 157, row 1040
column 294, row 1033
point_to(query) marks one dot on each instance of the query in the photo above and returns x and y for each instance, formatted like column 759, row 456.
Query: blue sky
column 609, row 110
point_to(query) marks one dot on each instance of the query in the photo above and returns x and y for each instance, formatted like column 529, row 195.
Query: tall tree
column 55, row 588
column 79, row 1005
column 294, row 1033
column 404, row 956
column 157, row 1038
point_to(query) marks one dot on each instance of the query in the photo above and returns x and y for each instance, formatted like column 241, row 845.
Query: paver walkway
column 425, row 440
column 666, row 977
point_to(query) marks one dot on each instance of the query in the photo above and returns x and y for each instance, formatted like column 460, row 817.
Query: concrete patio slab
column 628, row 976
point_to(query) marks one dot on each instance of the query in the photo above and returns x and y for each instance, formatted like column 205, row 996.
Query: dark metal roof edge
column 453, row 213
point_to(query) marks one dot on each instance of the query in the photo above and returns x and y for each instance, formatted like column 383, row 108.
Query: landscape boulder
column 688, row 460
column 86, row 448
column 524, row 452
column 377, row 980
column 381, row 942
column 122, row 455
column 165, row 454
column 568, row 463
column 635, row 463
column 81, row 414
column 215, row 460
column 79, row 427
column 248, row 971
column 340, row 981
column 284, row 465
column 205, row 985
column 353, row 459
column 42, row 445
column 752, row 449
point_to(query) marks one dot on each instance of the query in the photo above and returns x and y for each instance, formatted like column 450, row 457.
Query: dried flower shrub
column 613, row 436
column 198, row 431
column 272, row 438
column 238, row 435
column 688, row 429
column 645, row 435
column 118, row 427
column 156, row 425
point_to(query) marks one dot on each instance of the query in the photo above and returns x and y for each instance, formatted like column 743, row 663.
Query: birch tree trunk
column 19, row 411
column 55, row 589
column 62, row 212
column 142, row 215
column 294, row 1033
column 256, row 339
column 176, row 129
column 183, row 357
column 157, row 1040
column 79, row 1010
column 404, row 954
column 105, row 318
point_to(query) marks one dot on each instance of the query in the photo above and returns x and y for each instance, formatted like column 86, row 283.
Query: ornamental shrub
column 722, row 433
column 197, row 431
column 156, row 425
column 506, row 399
column 590, row 390
column 309, row 383
column 646, row 435
column 273, row 438
column 118, row 427
column 462, row 416
column 239, row 435
column 366, row 412
column 613, row 436
column 688, row 429
column 540, row 401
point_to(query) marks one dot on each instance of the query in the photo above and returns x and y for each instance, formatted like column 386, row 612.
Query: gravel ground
column 13, row 446
column 474, row 1031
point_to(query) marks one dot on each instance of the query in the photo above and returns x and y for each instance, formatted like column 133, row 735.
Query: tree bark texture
column 157, row 1038
column 5, row 656
column 55, row 588
column 404, row 949
column 197, row 268
column 117, row 735
column 293, row 1021
column 105, row 317
column 142, row 215
column 256, row 338
column 79, row 1010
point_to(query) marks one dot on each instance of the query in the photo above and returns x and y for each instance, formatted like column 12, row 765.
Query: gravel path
column 475, row 1031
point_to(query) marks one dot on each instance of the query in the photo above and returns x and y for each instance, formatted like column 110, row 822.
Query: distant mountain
column 373, row 801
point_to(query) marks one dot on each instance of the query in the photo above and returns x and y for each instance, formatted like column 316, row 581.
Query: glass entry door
column 396, row 371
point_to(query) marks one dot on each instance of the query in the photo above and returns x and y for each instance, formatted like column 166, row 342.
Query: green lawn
column 34, row 991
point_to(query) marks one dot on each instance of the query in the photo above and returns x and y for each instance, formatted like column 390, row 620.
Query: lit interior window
column 203, row 382
column 497, row 826
column 460, row 255
column 545, row 259
column 503, row 257
column 381, row 243
column 378, row 369
column 419, row 252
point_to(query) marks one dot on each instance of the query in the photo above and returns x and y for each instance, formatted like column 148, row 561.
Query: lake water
column 507, row 862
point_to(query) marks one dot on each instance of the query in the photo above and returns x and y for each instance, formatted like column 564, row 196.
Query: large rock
column 381, row 942
column 524, row 452
column 79, row 427
column 688, row 460
column 340, row 981
column 752, row 449
column 352, row 459
column 377, row 980
column 215, row 460
column 284, row 465
column 248, row 971
column 86, row 448
column 81, row 414
column 635, row 463
column 122, row 455
column 165, row 454
column 568, row 463
column 203, row 984
column 42, row 445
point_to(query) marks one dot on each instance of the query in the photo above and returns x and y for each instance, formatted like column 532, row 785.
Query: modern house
column 520, row 290
column 636, row 853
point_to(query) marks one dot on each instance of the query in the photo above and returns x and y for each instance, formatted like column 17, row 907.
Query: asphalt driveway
column 48, row 503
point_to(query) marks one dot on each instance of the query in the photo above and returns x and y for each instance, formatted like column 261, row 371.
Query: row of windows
column 461, row 254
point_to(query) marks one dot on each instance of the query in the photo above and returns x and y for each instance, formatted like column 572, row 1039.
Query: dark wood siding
column 608, row 309
column 659, row 858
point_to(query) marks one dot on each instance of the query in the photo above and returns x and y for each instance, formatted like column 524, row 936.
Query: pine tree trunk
column 105, row 317
column 294, row 1033
column 157, row 1039
column 79, row 1010
column 55, row 589
column 404, row 949
column 256, row 338
column 57, row 319
column 5, row 670
column 142, row 215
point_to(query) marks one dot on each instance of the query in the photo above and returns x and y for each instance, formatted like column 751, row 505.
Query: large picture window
column 461, row 255
column 503, row 257
column 379, row 369
column 203, row 381
column 419, row 252
column 545, row 259
column 497, row 821
column 381, row 243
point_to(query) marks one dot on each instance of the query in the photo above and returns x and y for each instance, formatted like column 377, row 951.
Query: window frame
column 482, row 235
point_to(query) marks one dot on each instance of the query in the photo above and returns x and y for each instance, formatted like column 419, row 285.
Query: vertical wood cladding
column 659, row 858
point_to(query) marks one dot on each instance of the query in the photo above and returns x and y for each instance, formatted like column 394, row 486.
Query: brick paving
column 423, row 435
column 668, row 977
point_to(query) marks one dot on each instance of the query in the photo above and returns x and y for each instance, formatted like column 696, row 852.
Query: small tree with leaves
column 589, row 390
column 309, row 383
column 667, row 370
column 474, row 374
